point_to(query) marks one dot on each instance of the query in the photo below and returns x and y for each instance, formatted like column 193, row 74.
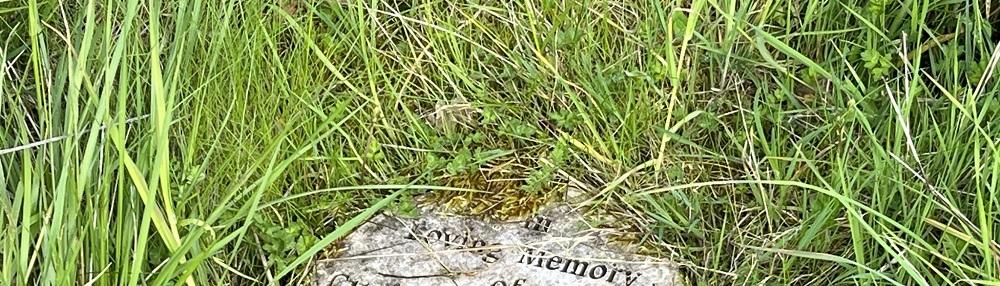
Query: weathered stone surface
column 554, row 248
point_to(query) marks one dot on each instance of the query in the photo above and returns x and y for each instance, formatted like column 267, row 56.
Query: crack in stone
column 557, row 247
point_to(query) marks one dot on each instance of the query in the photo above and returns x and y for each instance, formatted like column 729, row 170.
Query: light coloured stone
column 576, row 194
column 556, row 247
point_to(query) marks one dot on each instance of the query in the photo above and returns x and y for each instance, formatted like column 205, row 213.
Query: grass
column 752, row 142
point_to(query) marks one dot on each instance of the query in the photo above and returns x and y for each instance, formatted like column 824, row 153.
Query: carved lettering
column 436, row 234
column 518, row 282
column 594, row 274
column 554, row 263
column 581, row 268
column 552, row 248
column 530, row 257
column 451, row 240
column 539, row 223
column 576, row 267
column 492, row 256
column 629, row 278
column 342, row 279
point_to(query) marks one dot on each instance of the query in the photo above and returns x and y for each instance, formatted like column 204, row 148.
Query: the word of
column 518, row 282
column 345, row 280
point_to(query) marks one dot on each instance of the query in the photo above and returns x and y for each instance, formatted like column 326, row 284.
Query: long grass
column 768, row 142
